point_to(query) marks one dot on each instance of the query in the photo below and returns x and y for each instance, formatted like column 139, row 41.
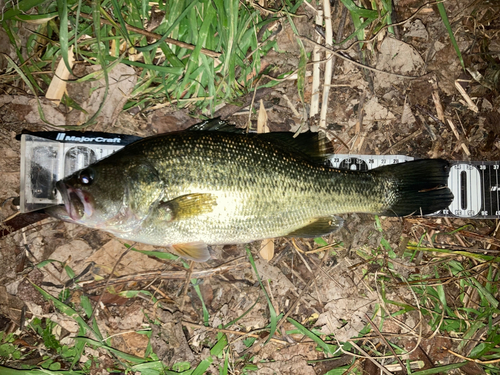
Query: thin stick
column 374, row 326
column 144, row 276
column 109, row 278
column 358, row 64
column 329, row 63
column 149, row 34
column 316, row 71
column 228, row 331
column 437, row 100
column 455, row 132
column 189, row 273
column 472, row 106
column 472, row 359
column 367, row 356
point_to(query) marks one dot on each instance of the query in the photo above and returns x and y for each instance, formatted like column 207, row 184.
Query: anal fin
column 196, row 251
column 318, row 227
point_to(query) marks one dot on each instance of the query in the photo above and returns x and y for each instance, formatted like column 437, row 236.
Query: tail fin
column 419, row 187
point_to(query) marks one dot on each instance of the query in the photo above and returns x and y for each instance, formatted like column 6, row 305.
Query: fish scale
column 218, row 187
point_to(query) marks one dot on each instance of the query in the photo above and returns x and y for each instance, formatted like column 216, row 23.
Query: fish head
column 113, row 195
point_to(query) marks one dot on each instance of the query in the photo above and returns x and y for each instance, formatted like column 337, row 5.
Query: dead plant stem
column 149, row 34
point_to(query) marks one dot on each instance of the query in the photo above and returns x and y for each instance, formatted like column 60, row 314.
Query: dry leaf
column 267, row 249
column 262, row 119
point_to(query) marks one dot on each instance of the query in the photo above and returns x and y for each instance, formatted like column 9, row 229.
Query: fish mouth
column 77, row 202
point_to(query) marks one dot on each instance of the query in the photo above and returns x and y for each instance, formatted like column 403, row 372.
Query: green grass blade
column 242, row 315
column 118, row 14
column 156, row 254
column 220, row 345
column 274, row 319
column 440, row 369
column 21, row 7
column 118, row 353
column 11, row 371
column 206, row 315
column 357, row 12
column 156, row 44
column 446, row 22
column 327, row 348
column 28, row 83
column 68, row 311
column 203, row 366
column 483, row 258
column 62, row 9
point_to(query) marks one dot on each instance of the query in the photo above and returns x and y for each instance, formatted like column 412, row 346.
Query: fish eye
column 86, row 176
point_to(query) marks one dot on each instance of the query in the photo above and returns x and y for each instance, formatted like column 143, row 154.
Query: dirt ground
column 336, row 293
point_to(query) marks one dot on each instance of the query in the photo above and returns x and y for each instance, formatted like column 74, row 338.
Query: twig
column 329, row 63
column 316, row 71
column 189, row 273
column 472, row 106
column 338, row 54
column 144, row 276
column 367, row 356
column 109, row 278
column 455, row 132
column 404, row 141
column 229, row 332
column 300, row 255
column 292, row 107
column 149, row 34
column 437, row 100
column 471, row 359
column 374, row 326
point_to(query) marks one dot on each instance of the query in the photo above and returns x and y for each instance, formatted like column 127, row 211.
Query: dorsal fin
column 216, row 124
column 312, row 145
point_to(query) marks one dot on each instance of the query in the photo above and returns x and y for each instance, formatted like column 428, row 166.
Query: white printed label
column 464, row 182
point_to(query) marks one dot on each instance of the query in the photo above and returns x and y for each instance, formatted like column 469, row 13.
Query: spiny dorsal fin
column 216, row 124
column 312, row 145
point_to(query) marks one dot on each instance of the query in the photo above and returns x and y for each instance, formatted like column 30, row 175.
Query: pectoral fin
column 319, row 227
column 197, row 251
column 188, row 205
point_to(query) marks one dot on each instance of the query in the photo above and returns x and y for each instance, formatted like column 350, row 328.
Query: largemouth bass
column 197, row 187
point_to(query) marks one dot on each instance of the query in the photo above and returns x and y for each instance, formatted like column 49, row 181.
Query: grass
column 217, row 59
column 457, row 299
